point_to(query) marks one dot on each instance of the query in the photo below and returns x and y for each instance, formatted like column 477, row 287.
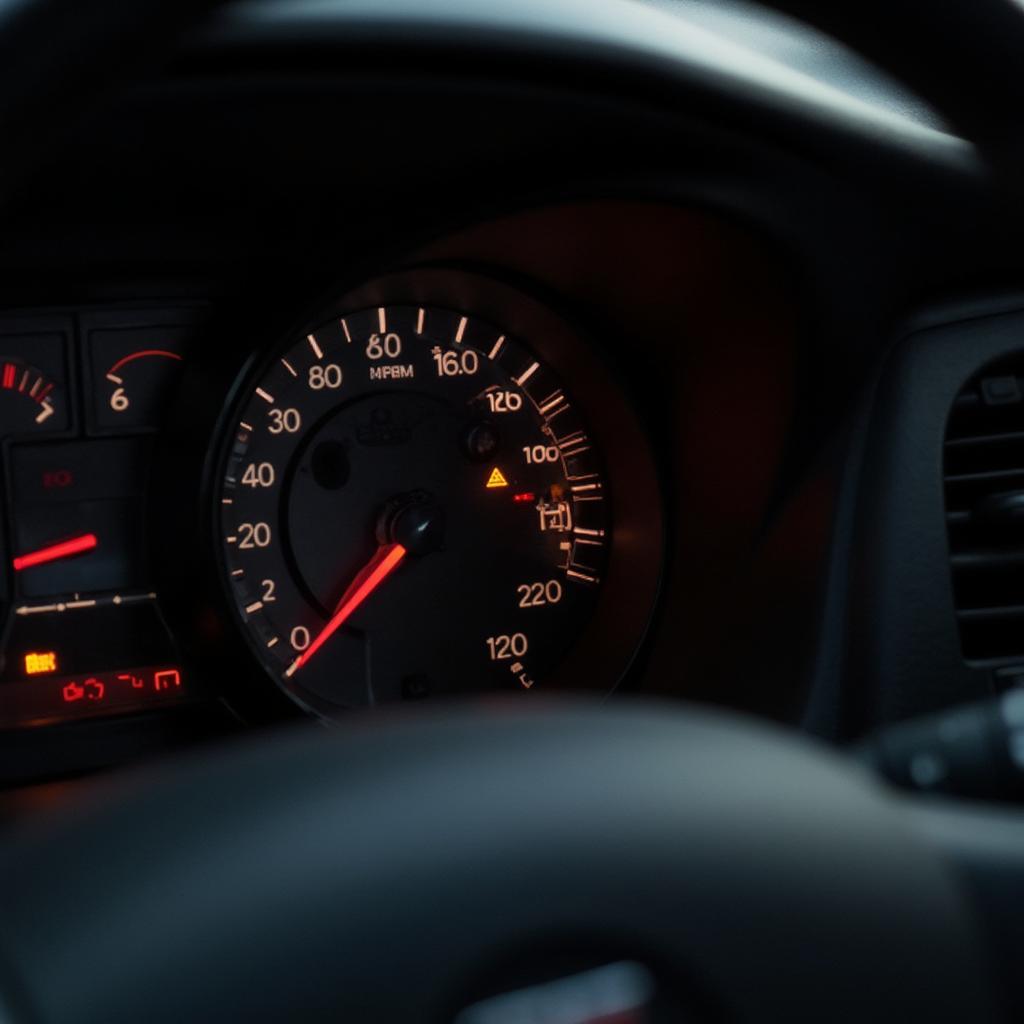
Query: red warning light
column 72, row 692
column 91, row 689
column 166, row 679
column 524, row 497
column 49, row 698
column 57, row 478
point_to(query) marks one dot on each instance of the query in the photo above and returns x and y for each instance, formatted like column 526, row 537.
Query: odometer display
column 411, row 505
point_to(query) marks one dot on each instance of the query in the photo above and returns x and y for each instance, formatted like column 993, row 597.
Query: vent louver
column 984, row 484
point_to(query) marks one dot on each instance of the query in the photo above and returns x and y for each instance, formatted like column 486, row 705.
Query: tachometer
column 411, row 505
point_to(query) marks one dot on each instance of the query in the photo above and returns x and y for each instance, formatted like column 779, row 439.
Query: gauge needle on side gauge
column 54, row 552
column 384, row 561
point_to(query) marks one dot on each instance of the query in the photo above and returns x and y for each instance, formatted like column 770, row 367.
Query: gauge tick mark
column 527, row 374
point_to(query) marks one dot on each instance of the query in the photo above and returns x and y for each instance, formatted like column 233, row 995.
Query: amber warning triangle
column 497, row 478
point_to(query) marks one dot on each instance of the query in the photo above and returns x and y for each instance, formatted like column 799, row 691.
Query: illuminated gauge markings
column 116, row 374
column 410, row 505
column 21, row 381
column 136, row 387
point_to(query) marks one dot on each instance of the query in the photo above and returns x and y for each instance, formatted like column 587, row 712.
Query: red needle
column 385, row 560
column 64, row 549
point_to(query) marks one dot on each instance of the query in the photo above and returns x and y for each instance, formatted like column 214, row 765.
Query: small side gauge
column 33, row 384
column 134, row 372
column 32, row 395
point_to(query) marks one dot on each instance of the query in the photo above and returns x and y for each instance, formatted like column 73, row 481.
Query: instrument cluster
column 427, row 487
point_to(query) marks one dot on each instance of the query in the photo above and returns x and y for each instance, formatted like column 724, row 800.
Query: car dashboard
column 352, row 356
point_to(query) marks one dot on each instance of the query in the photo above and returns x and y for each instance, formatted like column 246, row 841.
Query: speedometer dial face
column 411, row 505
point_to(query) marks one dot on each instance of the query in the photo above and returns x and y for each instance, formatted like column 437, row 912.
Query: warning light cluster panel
column 82, row 391
column 49, row 699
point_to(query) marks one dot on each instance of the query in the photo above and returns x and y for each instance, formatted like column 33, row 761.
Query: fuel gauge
column 134, row 372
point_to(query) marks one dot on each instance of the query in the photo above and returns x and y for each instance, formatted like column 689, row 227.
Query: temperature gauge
column 32, row 398
column 134, row 373
column 22, row 379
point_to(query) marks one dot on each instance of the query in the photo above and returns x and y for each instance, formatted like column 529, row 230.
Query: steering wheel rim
column 369, row 873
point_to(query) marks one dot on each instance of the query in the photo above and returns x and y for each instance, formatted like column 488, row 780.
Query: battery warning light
column 38, row 662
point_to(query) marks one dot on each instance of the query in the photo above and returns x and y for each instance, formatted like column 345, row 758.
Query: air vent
column 984, row 481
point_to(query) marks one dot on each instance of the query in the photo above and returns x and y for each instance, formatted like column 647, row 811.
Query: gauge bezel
column 605, row 650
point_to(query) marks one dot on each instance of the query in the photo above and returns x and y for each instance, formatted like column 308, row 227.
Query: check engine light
column 39, row 662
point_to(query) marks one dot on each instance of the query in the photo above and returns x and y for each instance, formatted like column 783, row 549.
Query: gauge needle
column 65, row 549
column 384, row 561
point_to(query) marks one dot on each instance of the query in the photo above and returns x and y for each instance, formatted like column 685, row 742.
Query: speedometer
column 411, row 504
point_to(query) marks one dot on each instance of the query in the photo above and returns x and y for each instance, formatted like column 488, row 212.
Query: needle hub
column 414, row 520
